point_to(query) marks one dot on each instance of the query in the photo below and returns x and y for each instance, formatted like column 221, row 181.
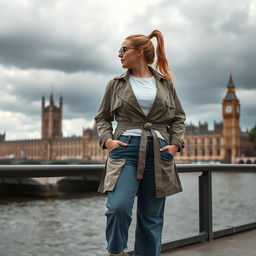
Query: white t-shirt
column 144, row 89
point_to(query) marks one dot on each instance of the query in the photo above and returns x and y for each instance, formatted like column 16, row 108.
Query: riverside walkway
column 238, row 244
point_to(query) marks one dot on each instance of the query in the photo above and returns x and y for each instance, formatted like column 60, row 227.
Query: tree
column 252, row 134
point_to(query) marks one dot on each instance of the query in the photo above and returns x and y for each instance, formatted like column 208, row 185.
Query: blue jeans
column 150, row 210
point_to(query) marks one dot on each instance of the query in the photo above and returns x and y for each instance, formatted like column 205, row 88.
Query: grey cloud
column 43, row 35
column 29, row 51
column 207, row 41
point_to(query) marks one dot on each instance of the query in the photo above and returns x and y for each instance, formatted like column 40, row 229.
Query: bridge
column 246, row 160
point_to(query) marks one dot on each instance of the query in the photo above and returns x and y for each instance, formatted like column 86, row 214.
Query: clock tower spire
column 231, row 126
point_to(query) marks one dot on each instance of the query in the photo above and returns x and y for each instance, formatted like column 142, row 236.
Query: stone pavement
column 238, row 244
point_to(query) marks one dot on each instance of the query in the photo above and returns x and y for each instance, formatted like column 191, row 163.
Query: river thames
column 75, row 224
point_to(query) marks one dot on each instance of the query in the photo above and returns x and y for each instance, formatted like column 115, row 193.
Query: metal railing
column 205, row 191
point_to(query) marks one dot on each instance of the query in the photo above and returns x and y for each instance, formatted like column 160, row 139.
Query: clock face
column 228, row 108
column 237, row 109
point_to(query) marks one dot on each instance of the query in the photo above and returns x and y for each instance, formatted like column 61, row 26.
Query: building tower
column 51, row 118
column 231, row 126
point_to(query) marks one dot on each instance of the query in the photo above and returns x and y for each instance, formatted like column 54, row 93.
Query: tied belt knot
column 147, row 126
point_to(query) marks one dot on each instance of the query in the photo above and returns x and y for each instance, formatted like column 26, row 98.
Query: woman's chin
column 124, row 66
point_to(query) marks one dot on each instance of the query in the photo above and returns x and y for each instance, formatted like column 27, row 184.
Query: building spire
column 52, row 88
column 230, row 81
column 51, row 95
column 231, row 94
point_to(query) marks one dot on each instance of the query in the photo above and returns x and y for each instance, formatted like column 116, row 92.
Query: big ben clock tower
column 231, row 127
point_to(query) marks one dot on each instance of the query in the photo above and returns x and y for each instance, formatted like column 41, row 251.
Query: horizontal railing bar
column 203, row 236
column 60, row 170
column 233, row 229
column 33, row 171
column 165, row 246
column 217, row 167
column 183, row 241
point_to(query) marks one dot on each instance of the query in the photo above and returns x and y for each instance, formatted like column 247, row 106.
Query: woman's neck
column 141, row 71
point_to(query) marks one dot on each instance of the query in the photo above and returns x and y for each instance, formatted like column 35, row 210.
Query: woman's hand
column 172, row 149
column 112, row 144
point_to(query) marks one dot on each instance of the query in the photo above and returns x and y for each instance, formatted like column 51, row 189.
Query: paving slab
column 238, row 244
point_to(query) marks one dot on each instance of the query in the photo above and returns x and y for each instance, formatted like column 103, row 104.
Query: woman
column 141, row 152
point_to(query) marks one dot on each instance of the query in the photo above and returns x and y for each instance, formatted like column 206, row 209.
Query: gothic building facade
column 52, row 145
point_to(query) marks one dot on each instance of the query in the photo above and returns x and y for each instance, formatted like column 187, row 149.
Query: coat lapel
column 129, row 96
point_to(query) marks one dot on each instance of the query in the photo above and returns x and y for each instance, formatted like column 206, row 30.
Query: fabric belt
column 145, row 127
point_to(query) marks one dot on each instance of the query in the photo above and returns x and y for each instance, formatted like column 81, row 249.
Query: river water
column 75, row 225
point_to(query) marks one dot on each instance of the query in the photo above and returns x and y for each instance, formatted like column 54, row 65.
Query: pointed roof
column 231, row 94
column 51, row 99
column 230, row 81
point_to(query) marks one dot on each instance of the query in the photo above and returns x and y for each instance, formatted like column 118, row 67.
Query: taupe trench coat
column 166, row 115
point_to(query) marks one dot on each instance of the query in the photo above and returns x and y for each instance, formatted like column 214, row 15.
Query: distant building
column 225, row 143
column 52, row 145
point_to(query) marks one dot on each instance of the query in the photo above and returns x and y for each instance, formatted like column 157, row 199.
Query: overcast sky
column 72, row 47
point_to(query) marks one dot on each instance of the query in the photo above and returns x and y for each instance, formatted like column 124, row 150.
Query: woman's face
column 129, row 56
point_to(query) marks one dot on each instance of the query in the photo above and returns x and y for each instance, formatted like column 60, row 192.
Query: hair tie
column 150, row 36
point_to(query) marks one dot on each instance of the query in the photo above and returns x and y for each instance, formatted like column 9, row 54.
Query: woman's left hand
column 172, row 149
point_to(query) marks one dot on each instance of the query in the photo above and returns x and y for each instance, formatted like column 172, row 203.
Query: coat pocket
column 170, row 177
column 113, row 168
column 171, row 106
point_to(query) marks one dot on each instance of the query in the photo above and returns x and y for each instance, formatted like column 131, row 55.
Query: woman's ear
column 140, row 52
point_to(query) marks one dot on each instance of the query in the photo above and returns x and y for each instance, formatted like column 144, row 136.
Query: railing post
column 205, row 203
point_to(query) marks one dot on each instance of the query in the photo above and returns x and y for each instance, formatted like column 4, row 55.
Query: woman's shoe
column 119, row 254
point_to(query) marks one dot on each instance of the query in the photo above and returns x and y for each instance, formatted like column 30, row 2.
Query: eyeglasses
column 124, row 49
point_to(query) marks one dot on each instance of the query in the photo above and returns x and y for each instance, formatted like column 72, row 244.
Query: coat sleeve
column 104, row 117
column 177, row 125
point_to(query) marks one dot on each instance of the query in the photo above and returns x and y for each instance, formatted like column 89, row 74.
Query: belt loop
column 128, row 139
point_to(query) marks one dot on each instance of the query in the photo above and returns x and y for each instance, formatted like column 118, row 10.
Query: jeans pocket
column 119, row 148
column 165, row 155
column 115, row 148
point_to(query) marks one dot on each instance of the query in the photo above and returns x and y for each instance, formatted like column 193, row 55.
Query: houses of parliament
column 226, row 143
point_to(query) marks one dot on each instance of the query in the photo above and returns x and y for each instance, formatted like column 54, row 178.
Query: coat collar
column 129, row 96
column 156, row 74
